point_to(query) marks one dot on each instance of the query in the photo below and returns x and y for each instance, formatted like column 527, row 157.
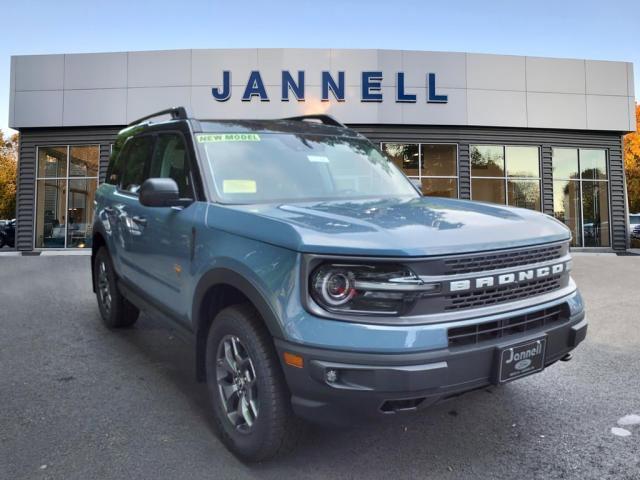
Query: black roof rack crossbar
column 322, row 118
column 177, row 113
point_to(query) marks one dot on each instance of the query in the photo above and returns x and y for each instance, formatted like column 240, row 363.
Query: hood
column 389, row 227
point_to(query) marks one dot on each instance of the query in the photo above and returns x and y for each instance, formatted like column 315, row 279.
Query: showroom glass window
column 66, row 182
column 435, row 165
column 580, row 194
column 506, row 174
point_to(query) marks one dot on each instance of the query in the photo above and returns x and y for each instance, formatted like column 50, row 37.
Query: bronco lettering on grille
column 505, row 278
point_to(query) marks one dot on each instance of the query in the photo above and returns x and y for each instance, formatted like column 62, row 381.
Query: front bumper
column 369, row 384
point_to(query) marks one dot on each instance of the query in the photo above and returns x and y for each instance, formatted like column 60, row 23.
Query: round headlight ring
column 336, row 287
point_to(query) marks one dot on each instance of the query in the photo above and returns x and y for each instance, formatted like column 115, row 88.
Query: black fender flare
column 226, row 276
column 98, row 229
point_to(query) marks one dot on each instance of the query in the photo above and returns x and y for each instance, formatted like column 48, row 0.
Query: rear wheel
column 247, row 389
column 115, row 310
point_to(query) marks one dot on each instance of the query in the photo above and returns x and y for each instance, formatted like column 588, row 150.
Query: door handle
column 139, row 220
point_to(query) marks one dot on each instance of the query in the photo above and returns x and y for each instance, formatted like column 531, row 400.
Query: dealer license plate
column 520, row 360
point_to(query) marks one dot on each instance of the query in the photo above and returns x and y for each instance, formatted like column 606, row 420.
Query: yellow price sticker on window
column 239, row 186
column 227, row 137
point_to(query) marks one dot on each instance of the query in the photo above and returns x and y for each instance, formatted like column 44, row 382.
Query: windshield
column 634, row 219
column 276, row 167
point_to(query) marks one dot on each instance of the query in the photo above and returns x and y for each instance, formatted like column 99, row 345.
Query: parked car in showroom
column 8, row 233
column 315, row 278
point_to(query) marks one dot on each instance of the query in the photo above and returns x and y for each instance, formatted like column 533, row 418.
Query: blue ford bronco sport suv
column 316, row 280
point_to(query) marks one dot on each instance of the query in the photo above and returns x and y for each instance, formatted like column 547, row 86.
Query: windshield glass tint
column 273, row 167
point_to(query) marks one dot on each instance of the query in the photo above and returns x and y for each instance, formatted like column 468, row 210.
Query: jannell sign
column 371, row 88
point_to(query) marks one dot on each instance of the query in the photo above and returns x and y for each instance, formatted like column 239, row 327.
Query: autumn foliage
column 8, row 174
column 632, row 165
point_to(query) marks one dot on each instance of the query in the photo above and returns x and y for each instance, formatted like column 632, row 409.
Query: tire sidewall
column 245, row 445
column 103, row 257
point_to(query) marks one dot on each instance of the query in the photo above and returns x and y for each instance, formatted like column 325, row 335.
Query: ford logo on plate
column 522, row 364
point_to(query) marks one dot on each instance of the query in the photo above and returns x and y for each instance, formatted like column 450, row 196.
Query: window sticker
column 239, row 186
column 227, row 137
column 318, row 158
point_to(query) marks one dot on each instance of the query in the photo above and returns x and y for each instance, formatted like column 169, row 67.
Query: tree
column 632, row 165
column 8, row 175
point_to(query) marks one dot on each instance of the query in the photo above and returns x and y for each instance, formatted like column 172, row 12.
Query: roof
column 272, row 126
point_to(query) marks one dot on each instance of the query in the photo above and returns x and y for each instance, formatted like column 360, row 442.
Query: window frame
column 66, row 180
column 147, row 163
column 506, row 177
column 420, row 176
column 188, row 159
column 196, row 188
column 580, row 180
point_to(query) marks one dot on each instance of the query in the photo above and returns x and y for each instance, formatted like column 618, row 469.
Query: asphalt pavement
column 80, row 402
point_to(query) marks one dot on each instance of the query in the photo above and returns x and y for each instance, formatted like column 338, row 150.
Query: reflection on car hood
column 389, row 227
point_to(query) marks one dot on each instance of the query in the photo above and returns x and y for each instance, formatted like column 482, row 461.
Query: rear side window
column 170, row 161
column 133, row 161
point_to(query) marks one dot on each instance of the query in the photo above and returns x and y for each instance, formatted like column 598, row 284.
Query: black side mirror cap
column 161, row 192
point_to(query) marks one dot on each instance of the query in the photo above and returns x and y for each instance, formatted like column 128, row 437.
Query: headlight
column 382, row 289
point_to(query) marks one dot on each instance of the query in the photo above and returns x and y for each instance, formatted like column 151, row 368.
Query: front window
column 65, row 190
column 434, row 164
column 274, row 167
column 506, row 174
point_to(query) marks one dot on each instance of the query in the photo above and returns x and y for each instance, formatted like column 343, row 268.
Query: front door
column 167, row 235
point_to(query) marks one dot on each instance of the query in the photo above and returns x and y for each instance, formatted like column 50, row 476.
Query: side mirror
column 160, row 192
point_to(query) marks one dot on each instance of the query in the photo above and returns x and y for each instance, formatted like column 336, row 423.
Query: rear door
column 129, row 215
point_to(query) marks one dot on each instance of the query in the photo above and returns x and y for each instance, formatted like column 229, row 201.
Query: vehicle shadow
column 461, row 433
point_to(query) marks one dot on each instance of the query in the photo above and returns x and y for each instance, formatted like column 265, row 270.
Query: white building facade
column 540, row 133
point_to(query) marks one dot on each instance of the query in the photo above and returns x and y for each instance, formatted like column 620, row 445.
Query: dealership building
column 538, row 133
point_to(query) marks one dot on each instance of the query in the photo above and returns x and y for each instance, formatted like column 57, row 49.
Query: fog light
column 331, row 376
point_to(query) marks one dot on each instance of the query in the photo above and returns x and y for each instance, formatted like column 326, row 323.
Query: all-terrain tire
column 274, row 430
column 115, row 310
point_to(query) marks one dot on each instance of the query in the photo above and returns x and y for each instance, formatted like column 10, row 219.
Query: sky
column 603, row 30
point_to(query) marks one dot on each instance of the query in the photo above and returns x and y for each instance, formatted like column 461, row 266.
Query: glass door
column 581, row 194
column 66, row 182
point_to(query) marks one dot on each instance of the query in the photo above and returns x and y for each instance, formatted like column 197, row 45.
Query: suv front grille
column 481, row 332
column 502, row 294
column 495, row 261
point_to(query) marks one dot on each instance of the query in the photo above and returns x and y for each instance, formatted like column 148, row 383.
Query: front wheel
column 248, row 392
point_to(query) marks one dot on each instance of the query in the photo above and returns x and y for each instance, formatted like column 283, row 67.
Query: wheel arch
column 218, row 289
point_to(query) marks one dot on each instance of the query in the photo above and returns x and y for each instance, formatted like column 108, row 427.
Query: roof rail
column 324, row 119
column 177, row 113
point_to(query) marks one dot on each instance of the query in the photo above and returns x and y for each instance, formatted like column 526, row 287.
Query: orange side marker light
column 293, row 360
